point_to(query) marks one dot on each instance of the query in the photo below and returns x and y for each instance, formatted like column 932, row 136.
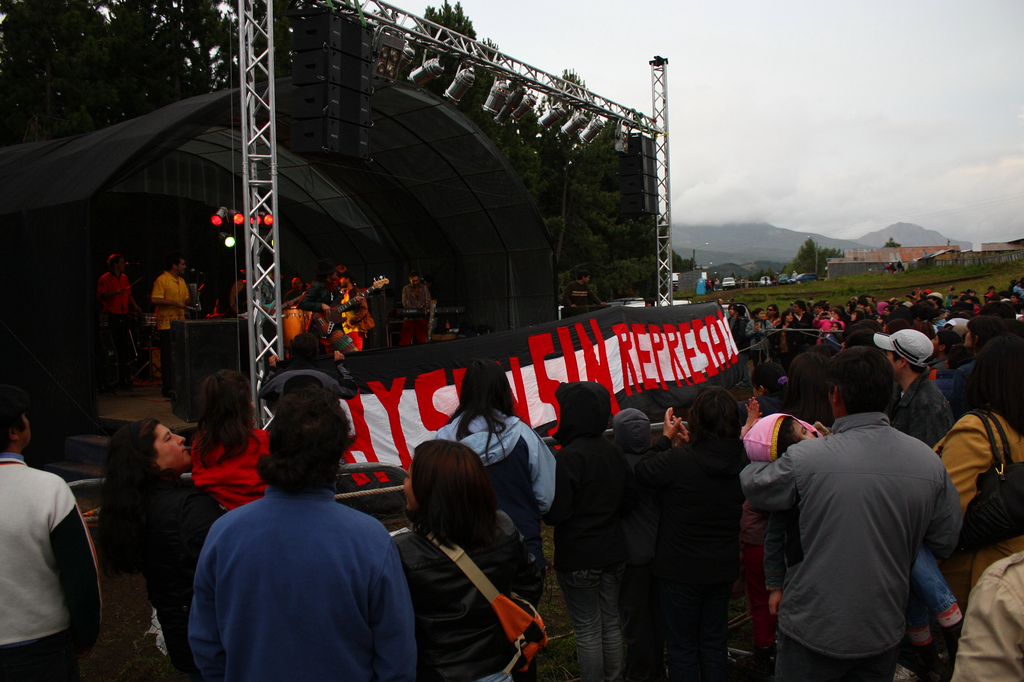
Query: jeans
column 928, row 590
column 49, row 659
column 696, row 630
column 592, row 598
column 797, row 663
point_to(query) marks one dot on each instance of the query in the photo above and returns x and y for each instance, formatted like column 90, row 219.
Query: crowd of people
column 837, row 494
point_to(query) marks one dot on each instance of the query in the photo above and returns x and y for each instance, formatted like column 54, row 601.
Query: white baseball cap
column 910, row 344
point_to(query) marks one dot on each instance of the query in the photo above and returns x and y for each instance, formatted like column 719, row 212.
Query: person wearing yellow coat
column 995, row 385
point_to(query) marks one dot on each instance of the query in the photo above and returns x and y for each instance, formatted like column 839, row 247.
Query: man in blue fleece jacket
column 296, row 586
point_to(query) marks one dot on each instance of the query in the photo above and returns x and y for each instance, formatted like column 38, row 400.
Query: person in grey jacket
column 868, row 497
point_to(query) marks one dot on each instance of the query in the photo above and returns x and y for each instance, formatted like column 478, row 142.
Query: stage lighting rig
column 220, row 217
column 496, row 97
column 524, row 106
column 461, row 84
column 430, row 70
column 552, row 117
column 391, row 55
column 575, row 124
column 592, row 130
column 229, row 240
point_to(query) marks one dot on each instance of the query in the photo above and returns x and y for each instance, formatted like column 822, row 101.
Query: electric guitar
column 323, row 324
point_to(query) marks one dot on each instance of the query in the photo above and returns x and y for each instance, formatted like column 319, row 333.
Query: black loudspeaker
column 107, row 353
column 638, row 177
column 198, row 349
column 332, row 69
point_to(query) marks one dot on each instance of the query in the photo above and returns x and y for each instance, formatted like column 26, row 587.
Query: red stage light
column 238, row 218
column 268, row 219
column 219, row 217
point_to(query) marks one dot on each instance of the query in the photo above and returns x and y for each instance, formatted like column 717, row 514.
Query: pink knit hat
column 762, row 441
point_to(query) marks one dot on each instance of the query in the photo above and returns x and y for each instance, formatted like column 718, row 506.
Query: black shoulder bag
column 996, row 513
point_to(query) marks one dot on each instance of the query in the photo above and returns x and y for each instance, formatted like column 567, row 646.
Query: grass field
column 882, row 287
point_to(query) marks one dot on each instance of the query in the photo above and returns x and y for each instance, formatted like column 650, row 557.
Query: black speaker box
column 198, row 349
column 637, row 184
column 331, row 66
column 334, row 32
column 641, row 145
column 332, row 101
column 638, row 204
column 330, row 135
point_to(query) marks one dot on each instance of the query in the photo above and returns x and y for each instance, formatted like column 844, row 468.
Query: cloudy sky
column 833, row 117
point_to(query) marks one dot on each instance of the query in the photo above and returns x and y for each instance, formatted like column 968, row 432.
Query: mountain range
column 747, row 247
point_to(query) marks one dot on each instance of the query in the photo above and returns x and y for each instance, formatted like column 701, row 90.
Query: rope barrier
column 375, row 491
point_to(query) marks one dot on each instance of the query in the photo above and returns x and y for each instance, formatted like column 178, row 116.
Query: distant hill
column 747, row 243
column 909, row 234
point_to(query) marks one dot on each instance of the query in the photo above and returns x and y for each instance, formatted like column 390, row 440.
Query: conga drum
column 294, row 322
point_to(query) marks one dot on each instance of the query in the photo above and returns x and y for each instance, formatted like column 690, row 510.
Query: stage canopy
column 437, row 196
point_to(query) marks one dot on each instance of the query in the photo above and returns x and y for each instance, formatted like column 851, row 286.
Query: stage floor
column 143, row 401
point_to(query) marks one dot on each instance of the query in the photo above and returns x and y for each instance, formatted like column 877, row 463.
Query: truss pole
column 659, row 94
column 259, row 178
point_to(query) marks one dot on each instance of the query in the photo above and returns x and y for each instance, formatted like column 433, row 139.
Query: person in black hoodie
column 593, row 487
column 697, row 558
column 304, row 369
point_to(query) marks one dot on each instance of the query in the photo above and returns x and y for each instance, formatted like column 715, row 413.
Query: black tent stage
column 437, row 196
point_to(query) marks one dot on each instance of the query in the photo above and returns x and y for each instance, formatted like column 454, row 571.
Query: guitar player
column 358, row 321
column 323, row 294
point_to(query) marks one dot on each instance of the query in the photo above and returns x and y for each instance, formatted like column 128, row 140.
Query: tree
column 813, row 258
column 891, row 244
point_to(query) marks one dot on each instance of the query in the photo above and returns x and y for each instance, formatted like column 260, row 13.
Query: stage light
column 238, row 218
column 220, row 217
column 592, row 130
column 524, row 106
column 502, row 117
column 268, row 219
column 575, row 124
column 496, row 97
column 552, row 117
column 430, row 70
column 462, row 82
column 390, row 54
column 511, row 104
column 622, row 138
column 229, row 241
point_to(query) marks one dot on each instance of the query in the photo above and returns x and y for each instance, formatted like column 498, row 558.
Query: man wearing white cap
column 918, row 409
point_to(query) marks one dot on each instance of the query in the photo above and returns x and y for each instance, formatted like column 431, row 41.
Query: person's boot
column 951, row 636
column 930, row 666
column 760, row 662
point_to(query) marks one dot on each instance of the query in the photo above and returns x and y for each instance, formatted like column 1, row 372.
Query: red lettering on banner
column 541, row 345
column 572, row 370
column 674, row 338
column 731, row 349
column 425, row 386
column 597, row 364
column 643, row 356
column 695, row 355
column 457, row 375
column 363, row 443
column 719, row 346
column 630, row 378
column 704, row 340
column 519, row 394
column 657, row 344
column 390, row 400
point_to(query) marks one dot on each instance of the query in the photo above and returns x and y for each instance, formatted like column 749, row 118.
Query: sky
column 835, row 117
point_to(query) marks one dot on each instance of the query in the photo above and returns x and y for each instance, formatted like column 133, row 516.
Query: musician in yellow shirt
column 171, row 298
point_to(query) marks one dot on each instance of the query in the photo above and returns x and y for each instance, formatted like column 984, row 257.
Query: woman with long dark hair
column 697, row 557
column 994, row 385
column 226, row 447
column 806, row 392
column 788, row 338
column 152, row 523
column 451, row 502
column 520, row 466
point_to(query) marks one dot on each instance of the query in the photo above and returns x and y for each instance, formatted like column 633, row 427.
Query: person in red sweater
column 226, row 446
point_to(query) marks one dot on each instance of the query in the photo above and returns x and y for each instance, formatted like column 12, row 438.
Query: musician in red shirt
column 114, row 292
column 415, row 295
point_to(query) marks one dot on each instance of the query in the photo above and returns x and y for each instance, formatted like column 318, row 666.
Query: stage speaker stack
column 332, row 68
column 198, row 349
column 638, row 177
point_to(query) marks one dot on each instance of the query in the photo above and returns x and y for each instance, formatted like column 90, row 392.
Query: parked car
column 766, row 281
column 635, row 302
column 728, row 282
column 805, row 277
column 784, row 279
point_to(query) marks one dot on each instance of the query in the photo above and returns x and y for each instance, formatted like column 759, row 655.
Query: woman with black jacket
column 153, row 523
column 450, row 501
column 697, row 558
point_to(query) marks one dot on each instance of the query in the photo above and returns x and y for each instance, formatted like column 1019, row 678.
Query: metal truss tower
column 659, row 90
column 259, row 178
